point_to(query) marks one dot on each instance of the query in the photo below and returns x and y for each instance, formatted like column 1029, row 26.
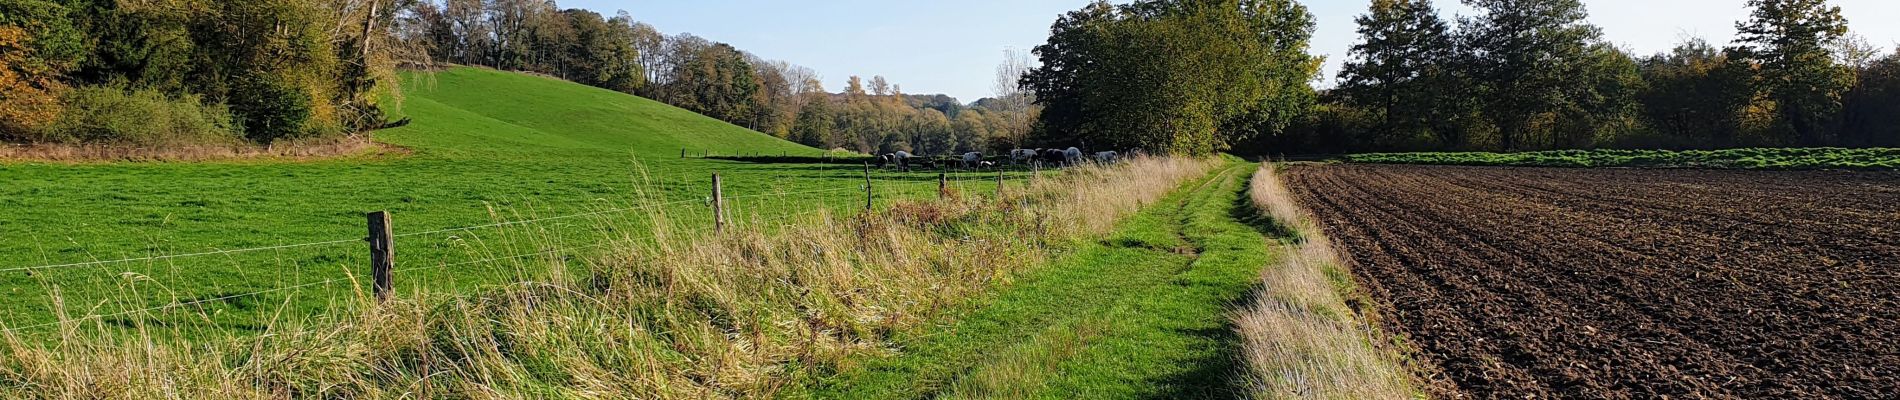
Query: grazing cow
column 900, row 159
column 971, row 159
column 1019, row 156
column 1107, row 157
column 1051, row 157
column 1072, row 156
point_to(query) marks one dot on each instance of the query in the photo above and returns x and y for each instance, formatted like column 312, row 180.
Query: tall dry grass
column 1300, row 340
column 684, row 314
column 302, row 149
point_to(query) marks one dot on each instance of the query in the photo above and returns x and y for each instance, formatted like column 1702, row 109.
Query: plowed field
column 1526, row 282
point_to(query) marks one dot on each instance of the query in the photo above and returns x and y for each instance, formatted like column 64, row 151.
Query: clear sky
column 953, row 47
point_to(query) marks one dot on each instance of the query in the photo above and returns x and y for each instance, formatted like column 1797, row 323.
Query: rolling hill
column 485, row 147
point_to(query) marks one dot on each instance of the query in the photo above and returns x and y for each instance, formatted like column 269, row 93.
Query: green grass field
column 1763, row 158
column 484, row 147
column 1143, row 313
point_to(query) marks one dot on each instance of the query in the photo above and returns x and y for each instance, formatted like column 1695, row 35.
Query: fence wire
column 823, row 209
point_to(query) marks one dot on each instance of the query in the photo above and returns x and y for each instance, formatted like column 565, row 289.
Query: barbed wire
column 537, row 220
column 825, row 208
column 410, row 234
column 301, row 286
column 336, row 280
column 171, row 256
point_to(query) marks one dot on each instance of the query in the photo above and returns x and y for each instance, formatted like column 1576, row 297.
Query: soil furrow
column 1515, row 282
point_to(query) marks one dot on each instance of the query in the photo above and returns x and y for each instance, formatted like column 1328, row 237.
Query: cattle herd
column 1033, row 158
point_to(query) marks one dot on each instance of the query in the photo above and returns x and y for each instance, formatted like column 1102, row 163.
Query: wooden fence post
column 382, row 254
column 867, row 186
column 943, row 185
column 999, row 183
column 719, row 206
column 682, row 152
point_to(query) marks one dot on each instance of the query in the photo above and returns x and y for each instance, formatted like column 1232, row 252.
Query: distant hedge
column 1751, row 158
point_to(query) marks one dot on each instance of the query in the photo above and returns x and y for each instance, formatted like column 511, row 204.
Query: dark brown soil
column 1579, row 283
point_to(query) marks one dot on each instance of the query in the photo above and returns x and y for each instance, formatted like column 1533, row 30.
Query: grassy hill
column 486, row 147
column 468, row 111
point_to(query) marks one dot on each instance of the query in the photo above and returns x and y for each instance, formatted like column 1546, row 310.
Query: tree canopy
column 1184, row 76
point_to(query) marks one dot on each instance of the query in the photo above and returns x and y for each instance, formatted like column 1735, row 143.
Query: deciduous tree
column 1788, row 41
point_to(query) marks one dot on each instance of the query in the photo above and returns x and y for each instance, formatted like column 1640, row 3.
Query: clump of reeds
column 685, row 313
column 1299, row 338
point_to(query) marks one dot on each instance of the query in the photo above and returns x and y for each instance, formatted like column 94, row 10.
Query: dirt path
column 1516, row 282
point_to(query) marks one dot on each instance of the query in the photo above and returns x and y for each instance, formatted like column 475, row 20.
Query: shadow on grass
column 1216, row 375
column 1250, row 214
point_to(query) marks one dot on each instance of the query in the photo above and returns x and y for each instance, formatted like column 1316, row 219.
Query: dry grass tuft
column 690, row 314
column 1300, row 339
column 289, row 150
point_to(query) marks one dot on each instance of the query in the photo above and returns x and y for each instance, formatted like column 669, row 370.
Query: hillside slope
column 471, row 109
column 486, row 146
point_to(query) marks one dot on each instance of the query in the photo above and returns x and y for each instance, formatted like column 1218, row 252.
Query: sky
column 953, row 47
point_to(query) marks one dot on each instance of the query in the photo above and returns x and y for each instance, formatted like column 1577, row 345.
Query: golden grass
column 685, row 314
column 1300, row 339
column 288, row 149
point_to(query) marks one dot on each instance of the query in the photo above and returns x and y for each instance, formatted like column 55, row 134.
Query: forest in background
column 717, row 79
column 1171, row 76
column 155, row 73
column 192, row 72
column 1536, row 75
column 1199, row 76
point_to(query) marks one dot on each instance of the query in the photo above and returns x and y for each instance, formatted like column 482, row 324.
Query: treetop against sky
column 953, row 48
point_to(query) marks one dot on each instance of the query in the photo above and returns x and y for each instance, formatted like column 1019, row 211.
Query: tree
column 475, row 39
column 814, row 125
column 1602, row 102
column 710, row 78
column 1524, row 53
column 1009, row 76
column 880, row 87
column 773, row 105
column 1788, row 41
column 1694, row 94
column 29, row 93
column 1872, row 110
column 1403, row 67
column 1183, row 76
column 38, row 45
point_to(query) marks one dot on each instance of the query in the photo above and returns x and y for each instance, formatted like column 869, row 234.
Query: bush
column 271, row 109
column 96, row 114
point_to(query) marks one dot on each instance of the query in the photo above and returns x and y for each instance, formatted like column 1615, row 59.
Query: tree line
column 708, row 77
column 1199, row 76
column 197, row 71
column 1173, row 76
column 77, row 71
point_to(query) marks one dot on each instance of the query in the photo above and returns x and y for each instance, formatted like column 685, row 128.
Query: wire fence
column 801, row 196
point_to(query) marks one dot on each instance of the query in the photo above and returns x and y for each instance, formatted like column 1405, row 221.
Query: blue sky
column 953, row 47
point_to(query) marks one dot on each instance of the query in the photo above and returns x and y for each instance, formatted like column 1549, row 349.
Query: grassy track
column 486, row 146
column 1142, row 314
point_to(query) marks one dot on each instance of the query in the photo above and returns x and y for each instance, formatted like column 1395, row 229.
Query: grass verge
column 1302, row 337
column 687, row 314
column 1757, row 158
column 1141, row 314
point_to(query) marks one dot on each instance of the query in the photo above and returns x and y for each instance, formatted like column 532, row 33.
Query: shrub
column 271, row 108
column 96, row 114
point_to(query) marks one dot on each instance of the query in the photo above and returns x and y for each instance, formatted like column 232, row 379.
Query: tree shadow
column 1251, row 215
column 1217, row 374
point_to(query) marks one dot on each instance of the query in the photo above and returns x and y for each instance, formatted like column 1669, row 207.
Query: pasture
column 1536, row 282
column 559, row 167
